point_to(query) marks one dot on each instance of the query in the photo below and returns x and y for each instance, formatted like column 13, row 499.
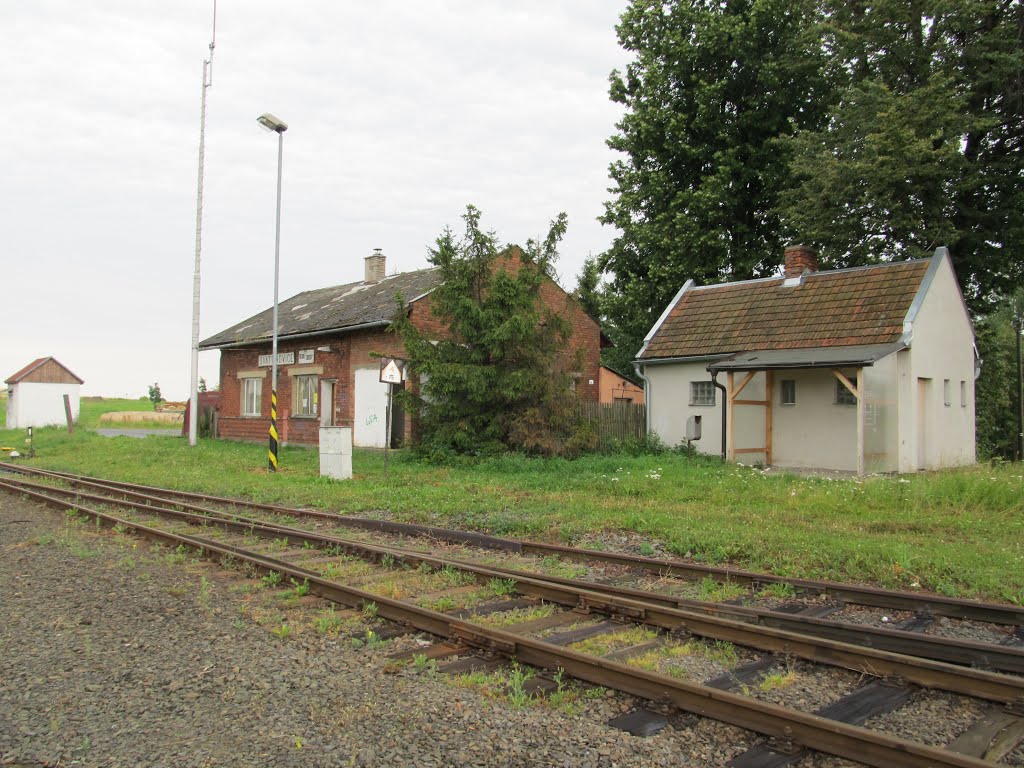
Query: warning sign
column 392, row 370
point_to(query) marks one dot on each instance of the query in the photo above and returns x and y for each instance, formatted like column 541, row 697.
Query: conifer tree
column 495, row 381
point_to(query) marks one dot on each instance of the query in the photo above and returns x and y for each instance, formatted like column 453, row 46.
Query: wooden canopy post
column 734, row 400
column 860, row 421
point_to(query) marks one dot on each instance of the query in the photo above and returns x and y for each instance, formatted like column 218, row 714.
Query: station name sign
column 283, row 358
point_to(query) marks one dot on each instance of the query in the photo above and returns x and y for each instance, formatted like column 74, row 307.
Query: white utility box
column 336, row 452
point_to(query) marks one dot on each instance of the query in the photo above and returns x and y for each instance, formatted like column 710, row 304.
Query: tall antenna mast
column 193, row 421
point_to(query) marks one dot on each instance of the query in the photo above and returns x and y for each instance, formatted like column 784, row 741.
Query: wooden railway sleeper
column 1015, row 707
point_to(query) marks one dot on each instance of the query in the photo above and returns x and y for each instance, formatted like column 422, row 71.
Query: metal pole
column 273, row 351
column 193, row 398
column 387, row 428
column 1018, row 330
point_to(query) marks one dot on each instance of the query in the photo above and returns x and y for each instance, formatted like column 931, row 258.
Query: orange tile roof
column 863, row 305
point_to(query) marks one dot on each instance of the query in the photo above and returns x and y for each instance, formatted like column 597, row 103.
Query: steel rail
column 937, row 605
column 587, row 598
column 830, row 736
column 934, row 647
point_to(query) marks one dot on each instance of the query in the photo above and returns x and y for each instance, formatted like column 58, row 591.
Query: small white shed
column 35, row 394
column 867, row 369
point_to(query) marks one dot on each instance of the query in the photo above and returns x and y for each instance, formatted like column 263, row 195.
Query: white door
column 370, row 409
column 923, row 392
column 326, row 402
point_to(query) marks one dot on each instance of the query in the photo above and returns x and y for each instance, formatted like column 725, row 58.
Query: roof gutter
column 325, row 332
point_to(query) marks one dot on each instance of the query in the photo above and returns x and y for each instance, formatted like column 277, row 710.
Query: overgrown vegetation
column 997, row 388
column 501, row 379
column 958, row 532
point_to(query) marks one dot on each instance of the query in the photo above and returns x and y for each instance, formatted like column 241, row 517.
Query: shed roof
column 325, row 310
column 40, row 365
column 807, row 357
column 843, row 307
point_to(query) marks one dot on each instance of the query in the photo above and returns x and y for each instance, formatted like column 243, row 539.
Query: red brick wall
column 348, row 352
column 353, row 350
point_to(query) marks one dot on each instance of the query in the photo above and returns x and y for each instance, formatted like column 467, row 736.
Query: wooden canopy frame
column 733, row 391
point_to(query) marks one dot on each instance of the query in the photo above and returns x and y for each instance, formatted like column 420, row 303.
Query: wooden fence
column 616, row 422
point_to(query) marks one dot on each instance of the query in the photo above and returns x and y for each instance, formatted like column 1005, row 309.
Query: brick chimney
column 374, row 267
column 800, row 258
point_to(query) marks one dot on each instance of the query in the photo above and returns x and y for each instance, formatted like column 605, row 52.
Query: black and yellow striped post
column 272, row 465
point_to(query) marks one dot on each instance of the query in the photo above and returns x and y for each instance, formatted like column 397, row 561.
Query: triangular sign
column 390, row 371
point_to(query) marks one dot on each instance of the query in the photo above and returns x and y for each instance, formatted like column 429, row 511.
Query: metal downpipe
column 725, row 403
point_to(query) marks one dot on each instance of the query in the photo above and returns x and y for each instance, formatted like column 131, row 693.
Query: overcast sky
column 399, row 114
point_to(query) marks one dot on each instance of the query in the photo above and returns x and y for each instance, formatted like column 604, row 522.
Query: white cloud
column 399, row 115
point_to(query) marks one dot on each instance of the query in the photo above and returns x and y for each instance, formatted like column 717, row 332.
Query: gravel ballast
column 110, row 656
column 113, row 653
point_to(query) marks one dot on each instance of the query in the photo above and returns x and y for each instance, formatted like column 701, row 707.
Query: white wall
column 668, row 402
column 37, row 405
column 941, row 348
column 816, row 432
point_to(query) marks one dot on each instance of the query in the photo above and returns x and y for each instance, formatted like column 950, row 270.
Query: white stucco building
column 35, row 394
column 868, row 369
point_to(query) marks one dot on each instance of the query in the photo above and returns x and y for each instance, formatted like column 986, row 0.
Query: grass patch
column 775, row 680
column 715, row 591
column 516, row 616
column 601, row 645
column 659, row 659
column 957, row 532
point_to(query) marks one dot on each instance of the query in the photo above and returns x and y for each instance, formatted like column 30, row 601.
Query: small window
column 305, row 396
column 702, row 393
column 788, row 393
column 843, row 395
column 947, row 392
column 963, row 394
column 252, row 395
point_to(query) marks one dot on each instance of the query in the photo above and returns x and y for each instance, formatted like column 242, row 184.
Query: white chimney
column 374, row 266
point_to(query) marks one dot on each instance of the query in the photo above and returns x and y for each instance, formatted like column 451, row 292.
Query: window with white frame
column 963, row 393
column 947, row 392
column 305, row 396
column 252, row 396
column 787, row 392
column 843, row 395
column 702, row 393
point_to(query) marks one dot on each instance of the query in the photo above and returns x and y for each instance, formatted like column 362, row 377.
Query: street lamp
column 272, row 123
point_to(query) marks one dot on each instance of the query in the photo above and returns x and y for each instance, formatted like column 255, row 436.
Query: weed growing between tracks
column 508, row 684
column 959, row 533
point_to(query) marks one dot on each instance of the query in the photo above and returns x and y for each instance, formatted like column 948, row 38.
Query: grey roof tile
column 337, row 308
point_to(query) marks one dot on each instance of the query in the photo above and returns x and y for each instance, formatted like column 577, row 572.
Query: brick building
column 328, row 373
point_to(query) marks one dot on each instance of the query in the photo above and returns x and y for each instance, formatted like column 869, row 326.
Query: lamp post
column 1018, row 331
column 272, row 123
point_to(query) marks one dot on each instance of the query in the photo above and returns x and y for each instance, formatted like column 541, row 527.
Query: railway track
column 581, row 613
column 922, row 606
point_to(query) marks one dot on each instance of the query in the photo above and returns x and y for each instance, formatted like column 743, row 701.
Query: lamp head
column 271, row 123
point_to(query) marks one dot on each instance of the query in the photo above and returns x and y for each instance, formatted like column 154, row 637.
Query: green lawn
column 957, row 532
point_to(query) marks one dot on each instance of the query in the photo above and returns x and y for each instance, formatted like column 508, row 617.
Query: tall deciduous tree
column 996, row 391
column 711, row 86
column 494, row 382
column 924, row 146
